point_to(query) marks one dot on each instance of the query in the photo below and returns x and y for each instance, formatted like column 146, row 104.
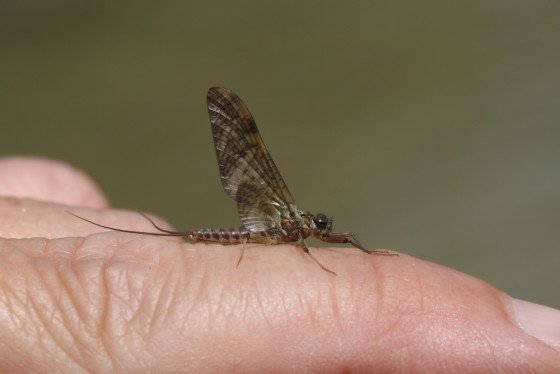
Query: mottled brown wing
column 247, row 171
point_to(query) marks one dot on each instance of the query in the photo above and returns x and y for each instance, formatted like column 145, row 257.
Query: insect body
column 249, row 176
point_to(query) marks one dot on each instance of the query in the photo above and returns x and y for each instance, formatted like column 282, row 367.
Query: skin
column 74, row 299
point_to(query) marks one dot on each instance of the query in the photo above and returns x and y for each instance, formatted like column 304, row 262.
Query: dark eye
column 321, row 221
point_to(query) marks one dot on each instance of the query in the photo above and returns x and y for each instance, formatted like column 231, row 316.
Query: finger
column 109, row 299
column 25, row 218
column 48, row 180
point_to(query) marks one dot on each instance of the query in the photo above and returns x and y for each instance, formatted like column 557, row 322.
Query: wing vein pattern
column 248, row 173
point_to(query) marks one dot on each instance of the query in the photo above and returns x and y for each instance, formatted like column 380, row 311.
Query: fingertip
column 48, row 180
column 539, row 321
column 27, row 218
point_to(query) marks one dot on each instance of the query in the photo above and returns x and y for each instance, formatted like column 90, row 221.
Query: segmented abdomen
column 224, row 236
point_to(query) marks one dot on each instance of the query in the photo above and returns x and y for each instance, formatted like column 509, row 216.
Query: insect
column 249, row 176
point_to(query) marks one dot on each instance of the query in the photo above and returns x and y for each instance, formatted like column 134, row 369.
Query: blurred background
column 432, row 127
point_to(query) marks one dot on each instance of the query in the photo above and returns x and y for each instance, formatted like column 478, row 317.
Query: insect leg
column 343, row 237
column 242, row 252
column 306, row 250
column 349, row 237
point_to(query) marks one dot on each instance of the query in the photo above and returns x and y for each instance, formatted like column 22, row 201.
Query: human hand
column 73, row 299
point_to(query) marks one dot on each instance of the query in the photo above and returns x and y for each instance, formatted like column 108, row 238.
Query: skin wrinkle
column 266, row 307
column 322, row 304
column 47, row 314
column 429, row 336
column 210, row 301
column 106, row 333
column 379, row 301
column 241, row 300
column 94, row 350
column 235, row 312
column 489, row 345
column 163, row 303
column 355, row 291
column 317, row 308
column 23, row 302
column 84, row 250
column 457, row 345
column 76, row 347
column 260, row 306
column 456, row 317
column 392, row 319
column 172, row 310
column 148, row 306
column 235, row 302
column 405, row 348
column 137, row 327
column 103, row 316
column 194, row 287
column 521, row 345
column 37, row 329
column 94, row 294
column 8, row 299
column 244, row 308
column 172, row 286
column 142, row 315
column 231, row 307
column 421, row 292
column 298, row 299
column 11, row 297
column 117, row 361
column 220, row 305
column 309, row 306
column 249, row 307
column 66, row 269
column 283, row 304
column 489, row 366
column 112, row 294
column 420, row 297
column 421, row 327
column 286, row 303
column 444, row 335
column 198, row 301
column 334, row 299
column 67, row 322
column 42, row 326
column 22, row 326
column 234, row 306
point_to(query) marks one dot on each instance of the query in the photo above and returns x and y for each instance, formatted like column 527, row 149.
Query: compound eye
column 321, row 221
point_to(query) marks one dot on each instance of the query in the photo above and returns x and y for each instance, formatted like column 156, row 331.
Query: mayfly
column 249, row 176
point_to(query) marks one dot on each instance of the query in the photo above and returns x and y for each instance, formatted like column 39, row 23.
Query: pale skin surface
column 74, row 300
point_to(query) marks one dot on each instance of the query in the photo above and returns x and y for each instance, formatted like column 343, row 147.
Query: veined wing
column 247, row 171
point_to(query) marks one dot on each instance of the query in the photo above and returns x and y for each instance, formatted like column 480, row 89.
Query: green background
column 427, row 127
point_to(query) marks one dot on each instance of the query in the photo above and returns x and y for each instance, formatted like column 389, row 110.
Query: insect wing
column 247, row 171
